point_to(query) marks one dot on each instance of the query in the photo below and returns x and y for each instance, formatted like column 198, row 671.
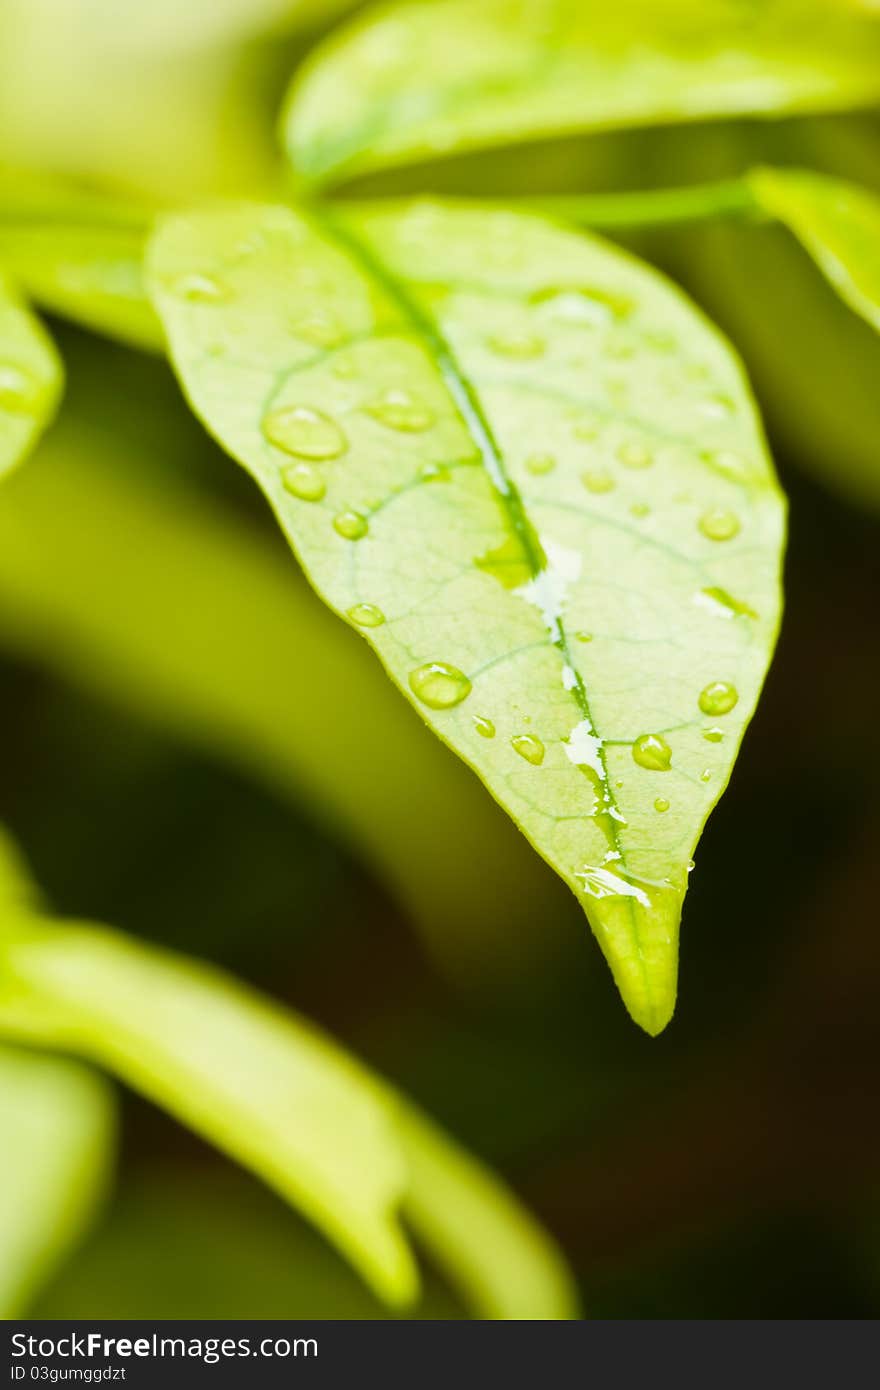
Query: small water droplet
column 304, row 481
column 366, row 615
column 717, row 406
column 351, row 526
column 345, row 369
column 528, row 747
column 582, row 305
column 713, row 735
column 400, row 410
column 434, row 473
column 484, row 727
column 522, row 345
column 660, row 341
column 439, row 685
column 661, row 804
column 319, row 329
column 583, row 636
column 730, row 606
column 18, row 390
column 719, row 524
column 635, row 455
column 728, row 464
column 310, row 434
column 651, row 751
column 540, row 464
column 706, row 775
column 640, row 509
column 719, row 697
column 201, row 289
column 597, row 480
column 586, row 430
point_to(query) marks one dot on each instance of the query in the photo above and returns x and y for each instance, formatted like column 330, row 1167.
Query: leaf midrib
column 480, row 430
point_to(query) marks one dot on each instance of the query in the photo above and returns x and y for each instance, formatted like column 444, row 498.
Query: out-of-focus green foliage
column 412, row 82
column 56, row 1122
column 260, row 1085
column 838, row 223
column 158, row 598
column 30, row 379
column 541, row 492
column 213, row 1245
column 277, row 1095
column 77, row 254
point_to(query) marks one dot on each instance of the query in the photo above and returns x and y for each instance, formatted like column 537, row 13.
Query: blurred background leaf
column 57, row 1122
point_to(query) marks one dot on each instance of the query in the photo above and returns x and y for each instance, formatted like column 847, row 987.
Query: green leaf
column 837, row 222
column 30, row 379
column 413, row 82
column 78, row 254
column 541, row 492
column 269, row 1090
column 57, row 1123
column 282, row 1099
column 500, row 1260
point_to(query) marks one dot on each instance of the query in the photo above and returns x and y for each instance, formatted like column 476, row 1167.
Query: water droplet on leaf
column 528, row 747
column 202, row 289
column 522, row 345
column 484, row 727
column 366, row 615
column 719, row 697
column 634, row 455
column 713, row 735
column 719, row 524
column 661, row 804
column 307, row 433
column 351, row 526
column 651, row 751
column 597, row 480
column 304, row 481
column 540, row 464
column 400, row 410
column 439, row 685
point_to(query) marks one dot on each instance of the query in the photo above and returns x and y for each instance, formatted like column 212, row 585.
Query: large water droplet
column 307, row 433
column 304, row 481
column 718, row 524
column 484, row 727
column 521, row 344
column 366, row 615
column 201, row 289
column 351, row 526
column 439, row 685
column 597, row 480
column 398, row 409
column 539, row 464
column 635, row 455
column 661, row 804
column 719, row 697
column 18, row 390
column 528, row 747
column 651, row 751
